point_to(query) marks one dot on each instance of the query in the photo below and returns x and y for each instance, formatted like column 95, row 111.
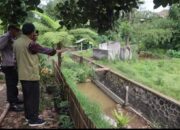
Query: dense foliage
column 15, row 11
column 52, row 33
column 153, row 34
column 74, row 12
column 164, row 3
column 148, row 30
column 99, row 14
column 174, row 15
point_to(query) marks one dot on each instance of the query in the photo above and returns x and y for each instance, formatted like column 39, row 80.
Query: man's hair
column 13, row 26
column 28, row 28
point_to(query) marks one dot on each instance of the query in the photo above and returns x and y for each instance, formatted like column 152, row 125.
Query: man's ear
column 32, row 36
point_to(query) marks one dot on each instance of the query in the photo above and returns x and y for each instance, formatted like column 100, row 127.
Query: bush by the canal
column 49, row 87
column 62, row 108
column 65, row 121
column 77, row 72
column 121, row 119
column 173, row 53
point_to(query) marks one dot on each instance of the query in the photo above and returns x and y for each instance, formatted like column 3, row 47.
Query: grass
column 86, row 53
column 161, row 74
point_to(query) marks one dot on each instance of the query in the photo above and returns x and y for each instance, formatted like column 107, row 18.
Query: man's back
column 28, row 64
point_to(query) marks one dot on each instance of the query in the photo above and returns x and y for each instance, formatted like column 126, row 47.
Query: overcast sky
column 148, row 5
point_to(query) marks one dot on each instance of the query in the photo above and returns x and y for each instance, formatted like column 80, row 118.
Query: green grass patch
column 86, row 53
column 77, row 72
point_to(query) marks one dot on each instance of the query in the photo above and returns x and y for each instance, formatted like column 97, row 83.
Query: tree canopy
column 164, row 3
column 15, row 11
column 174, row 14
column 100, row 14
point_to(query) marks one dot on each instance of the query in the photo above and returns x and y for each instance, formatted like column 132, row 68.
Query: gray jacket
column 6, row 49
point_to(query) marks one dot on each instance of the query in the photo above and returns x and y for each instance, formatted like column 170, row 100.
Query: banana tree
column 48, row 21
column 47, row 24
column 55, row 35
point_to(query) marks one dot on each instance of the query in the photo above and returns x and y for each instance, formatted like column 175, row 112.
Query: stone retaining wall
column 155, row 107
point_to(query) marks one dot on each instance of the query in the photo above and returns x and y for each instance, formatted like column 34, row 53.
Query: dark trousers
column 11, row 77
column 31, row 99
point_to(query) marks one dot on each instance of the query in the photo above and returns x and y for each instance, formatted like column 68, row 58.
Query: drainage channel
column 94, row 93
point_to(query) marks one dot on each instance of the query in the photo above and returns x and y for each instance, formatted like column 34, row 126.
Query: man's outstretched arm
column 36, row 48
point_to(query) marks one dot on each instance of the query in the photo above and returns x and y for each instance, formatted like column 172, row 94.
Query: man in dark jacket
column 9, row 67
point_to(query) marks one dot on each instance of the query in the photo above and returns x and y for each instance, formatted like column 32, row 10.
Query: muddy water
column 108, row 105
column 95, row 94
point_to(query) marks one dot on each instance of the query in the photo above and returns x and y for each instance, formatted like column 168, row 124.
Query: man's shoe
column 26, row 119
column 19, row 102
column 37, row 122
column 16, row 108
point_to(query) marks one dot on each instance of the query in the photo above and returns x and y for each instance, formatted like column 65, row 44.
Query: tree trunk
column 127, row 36
column 59, row 55
column 62, row 85
column 127, row 39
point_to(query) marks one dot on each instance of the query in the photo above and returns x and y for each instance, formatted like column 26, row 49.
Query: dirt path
column 17, row 120
column 2, row 98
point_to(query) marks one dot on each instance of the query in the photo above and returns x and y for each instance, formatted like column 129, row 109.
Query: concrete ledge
column 108, row 92
column 101, row 69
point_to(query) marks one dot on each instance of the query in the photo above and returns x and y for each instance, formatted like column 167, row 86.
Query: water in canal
column 107, row 104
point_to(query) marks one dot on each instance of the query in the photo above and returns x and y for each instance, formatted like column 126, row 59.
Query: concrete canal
column 94, row 93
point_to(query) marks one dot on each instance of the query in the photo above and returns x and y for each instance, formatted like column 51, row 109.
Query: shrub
column 122, row 120
column 65, row 121
column 77, row 72
column 173, row 53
